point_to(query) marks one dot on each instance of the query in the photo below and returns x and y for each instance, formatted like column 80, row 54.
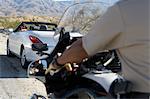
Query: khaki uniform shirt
column 125, row 27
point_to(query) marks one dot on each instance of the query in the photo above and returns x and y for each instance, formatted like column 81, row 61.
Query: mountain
column 33, row 7
column 37, row 7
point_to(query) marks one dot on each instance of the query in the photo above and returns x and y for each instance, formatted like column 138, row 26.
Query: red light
column 34, row 39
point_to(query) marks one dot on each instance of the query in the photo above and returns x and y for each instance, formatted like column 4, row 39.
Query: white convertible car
column 20, row 40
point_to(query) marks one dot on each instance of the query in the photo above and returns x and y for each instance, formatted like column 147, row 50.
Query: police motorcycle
column 95, row 77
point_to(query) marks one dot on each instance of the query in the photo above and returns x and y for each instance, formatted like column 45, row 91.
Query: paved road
column 14, row 83
column 10, row 68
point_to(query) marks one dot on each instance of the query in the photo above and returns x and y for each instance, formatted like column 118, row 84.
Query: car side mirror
column 39, row 47
column 10, row 30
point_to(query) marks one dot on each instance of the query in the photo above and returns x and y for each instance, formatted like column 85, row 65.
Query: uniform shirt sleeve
column 104, row 31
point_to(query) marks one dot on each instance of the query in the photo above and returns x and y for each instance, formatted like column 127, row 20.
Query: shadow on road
column 10, row 67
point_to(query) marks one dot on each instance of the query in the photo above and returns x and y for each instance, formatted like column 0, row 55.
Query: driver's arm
column 75, row 54
column 102, row 34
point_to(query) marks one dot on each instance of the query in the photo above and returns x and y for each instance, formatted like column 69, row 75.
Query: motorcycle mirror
column 39, row 47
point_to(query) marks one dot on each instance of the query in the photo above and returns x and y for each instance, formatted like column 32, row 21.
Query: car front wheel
column 23, row 61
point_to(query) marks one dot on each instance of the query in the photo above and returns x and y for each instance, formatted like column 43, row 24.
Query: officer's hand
column 52, row 68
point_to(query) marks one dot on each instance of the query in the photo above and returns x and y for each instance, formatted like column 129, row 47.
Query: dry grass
column 12, row 22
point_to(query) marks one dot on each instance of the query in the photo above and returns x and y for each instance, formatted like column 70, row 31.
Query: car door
column 13, row 42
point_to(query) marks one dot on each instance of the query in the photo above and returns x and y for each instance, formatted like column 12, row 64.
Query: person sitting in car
column 23, row 27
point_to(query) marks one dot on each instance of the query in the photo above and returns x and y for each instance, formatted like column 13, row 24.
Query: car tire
column 9, row 53
column 23, row 60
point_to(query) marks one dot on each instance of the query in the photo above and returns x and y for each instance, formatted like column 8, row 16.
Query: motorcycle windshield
column 79, row 17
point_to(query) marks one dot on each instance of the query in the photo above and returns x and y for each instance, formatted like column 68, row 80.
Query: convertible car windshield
column 35, row 26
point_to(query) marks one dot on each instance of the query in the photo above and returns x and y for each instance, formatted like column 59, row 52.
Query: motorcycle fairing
column 105, row 79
